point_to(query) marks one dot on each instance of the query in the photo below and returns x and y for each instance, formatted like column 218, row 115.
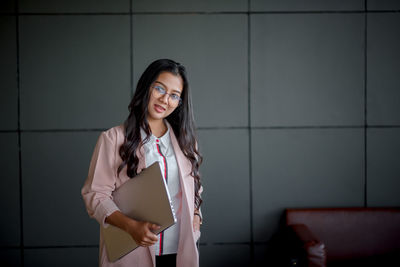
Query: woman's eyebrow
column 173, row 90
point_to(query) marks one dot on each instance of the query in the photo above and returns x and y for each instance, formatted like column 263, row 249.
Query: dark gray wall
column 297, row 105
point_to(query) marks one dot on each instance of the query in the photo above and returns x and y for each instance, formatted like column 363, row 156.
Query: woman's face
column 163, row 95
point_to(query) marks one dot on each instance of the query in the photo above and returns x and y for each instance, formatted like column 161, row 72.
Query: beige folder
column 143, row 198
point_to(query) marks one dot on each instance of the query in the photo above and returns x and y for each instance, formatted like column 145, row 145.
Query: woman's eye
column 175, row 97
column 160, row 89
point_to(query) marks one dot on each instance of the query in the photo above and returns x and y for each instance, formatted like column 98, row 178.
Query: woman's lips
column 159, row 108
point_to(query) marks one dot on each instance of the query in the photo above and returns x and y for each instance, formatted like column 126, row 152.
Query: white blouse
column 161, row 150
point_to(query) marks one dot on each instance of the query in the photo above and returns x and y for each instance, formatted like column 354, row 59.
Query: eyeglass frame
column 165, row 93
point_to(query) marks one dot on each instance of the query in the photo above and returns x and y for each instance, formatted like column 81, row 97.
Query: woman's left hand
column 196, row 223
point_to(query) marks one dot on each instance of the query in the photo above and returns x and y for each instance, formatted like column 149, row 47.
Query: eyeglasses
column 173, row 99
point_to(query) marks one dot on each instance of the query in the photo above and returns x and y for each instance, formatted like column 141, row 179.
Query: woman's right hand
column 141, row 232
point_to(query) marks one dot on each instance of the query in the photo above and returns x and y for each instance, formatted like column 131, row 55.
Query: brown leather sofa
column 343, row 236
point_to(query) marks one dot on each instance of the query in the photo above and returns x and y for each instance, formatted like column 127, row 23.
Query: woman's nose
column 164, row 98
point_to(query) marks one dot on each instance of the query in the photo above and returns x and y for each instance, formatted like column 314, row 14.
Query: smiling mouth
column 159, row 108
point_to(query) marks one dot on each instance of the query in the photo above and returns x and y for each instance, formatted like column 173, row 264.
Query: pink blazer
column 102, row 180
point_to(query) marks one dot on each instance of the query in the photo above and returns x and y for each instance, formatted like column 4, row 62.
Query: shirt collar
column 163, row 140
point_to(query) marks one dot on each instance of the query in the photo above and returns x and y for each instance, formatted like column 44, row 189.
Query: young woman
column 160, row 127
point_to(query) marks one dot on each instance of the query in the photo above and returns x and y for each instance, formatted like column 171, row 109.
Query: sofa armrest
column 306, row 246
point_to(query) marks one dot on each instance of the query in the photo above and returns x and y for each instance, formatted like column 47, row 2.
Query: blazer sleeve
column 100, row 183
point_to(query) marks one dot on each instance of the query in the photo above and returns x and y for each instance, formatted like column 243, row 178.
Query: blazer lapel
column 185, row 170
column 186, row 240
column 142, row 159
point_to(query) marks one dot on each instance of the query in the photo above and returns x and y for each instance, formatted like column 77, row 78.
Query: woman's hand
column 196, row 223
column 141, row 232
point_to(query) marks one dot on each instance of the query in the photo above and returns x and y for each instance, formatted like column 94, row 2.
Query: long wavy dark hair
column 181, row 120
